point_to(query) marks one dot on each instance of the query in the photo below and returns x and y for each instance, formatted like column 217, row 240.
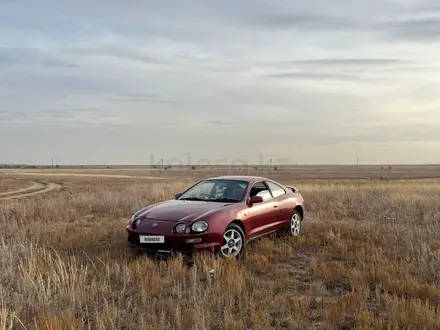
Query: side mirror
column 255, row 199
column 177, row 195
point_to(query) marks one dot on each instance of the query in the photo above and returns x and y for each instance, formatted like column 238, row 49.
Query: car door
column 260, row 217
column 283, row 210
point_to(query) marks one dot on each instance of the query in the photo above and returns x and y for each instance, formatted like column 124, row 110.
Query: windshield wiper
column 224, row 200
column 192, row 199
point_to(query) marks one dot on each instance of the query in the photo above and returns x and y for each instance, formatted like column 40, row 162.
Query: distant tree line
column 27, row 166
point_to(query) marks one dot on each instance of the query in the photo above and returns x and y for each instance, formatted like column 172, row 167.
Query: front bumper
column 174, row 243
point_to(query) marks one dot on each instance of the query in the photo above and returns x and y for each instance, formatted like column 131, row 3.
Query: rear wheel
column 295, row 224
column 233, row 242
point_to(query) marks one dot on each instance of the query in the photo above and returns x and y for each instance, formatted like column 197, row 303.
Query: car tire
column 295, row 224
column 233, row 243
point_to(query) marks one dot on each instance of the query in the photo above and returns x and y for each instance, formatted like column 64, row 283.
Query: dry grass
column 10, row 184
column 336, row 172
column 368, row 258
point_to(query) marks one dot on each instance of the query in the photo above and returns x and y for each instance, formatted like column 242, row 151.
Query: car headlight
column 136, row 223
column 180, row 228
column 199, row 226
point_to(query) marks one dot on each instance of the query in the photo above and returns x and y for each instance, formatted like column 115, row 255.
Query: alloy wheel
column 233, row 243
column 295, row 224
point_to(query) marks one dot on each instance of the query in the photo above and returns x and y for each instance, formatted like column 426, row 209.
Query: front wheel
column 295, row 224
column 233, row 242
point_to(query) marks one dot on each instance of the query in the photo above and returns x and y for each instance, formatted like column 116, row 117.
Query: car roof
column 247, row 178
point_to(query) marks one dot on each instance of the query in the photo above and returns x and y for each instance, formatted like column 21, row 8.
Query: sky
column 207, row 81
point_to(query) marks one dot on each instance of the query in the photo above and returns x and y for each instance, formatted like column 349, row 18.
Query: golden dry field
column 8, row 185
column 368, row 256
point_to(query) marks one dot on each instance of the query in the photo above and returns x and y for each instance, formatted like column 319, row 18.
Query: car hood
column 176, row 210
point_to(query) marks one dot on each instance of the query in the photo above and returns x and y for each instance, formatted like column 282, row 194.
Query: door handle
column 275, row 206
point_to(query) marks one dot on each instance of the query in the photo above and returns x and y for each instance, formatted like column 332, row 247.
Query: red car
column 221, row 214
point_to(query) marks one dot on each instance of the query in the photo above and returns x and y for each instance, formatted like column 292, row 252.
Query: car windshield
column 229, row 191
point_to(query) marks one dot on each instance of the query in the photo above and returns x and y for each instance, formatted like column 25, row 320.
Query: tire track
column 36, row 188
column 97, row 175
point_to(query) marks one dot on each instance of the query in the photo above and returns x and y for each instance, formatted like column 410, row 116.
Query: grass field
column 368, row 257
column 9, row 184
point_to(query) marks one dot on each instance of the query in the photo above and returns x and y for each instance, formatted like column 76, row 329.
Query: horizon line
column 3, row 165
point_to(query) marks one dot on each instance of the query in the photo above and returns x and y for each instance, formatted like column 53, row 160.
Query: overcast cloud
column 309, row 82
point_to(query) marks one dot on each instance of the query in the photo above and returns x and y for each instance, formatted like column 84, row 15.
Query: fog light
column 193, row 240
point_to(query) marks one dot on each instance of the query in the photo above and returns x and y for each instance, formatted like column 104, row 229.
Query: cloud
column 279, row 20
column 118, row 52
column 423, row 7
column 51, row 85
column 312, row 80
column 313, row 76
column 56, row 114
column 343, row 62
column 7, row 116
column 417, row 21
column 217, row 123
column 413, row 29
column 141, row 98
column 22, row 56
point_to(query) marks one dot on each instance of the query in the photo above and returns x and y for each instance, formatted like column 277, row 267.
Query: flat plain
column 368, row 256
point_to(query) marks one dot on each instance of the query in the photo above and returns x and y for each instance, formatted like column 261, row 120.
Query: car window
column 211, row 190
column 265, row 194
column 275, row 189
column 219, row 188
column 260, row 189
column 203, row 188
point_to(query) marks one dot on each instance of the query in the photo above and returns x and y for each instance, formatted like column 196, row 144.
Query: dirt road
column 36, row 188
column 70, row 174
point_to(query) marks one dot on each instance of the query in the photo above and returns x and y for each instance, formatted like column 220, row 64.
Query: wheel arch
column 240, row 224
column 300, row 210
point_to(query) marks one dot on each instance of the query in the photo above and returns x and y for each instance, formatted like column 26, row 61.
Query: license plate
column 151, row 239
